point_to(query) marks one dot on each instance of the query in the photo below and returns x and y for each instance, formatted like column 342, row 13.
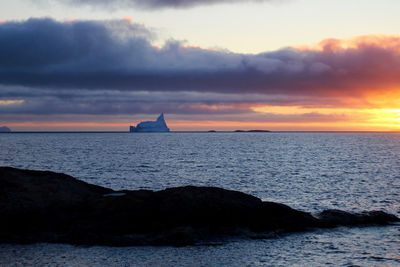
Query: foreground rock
column 37, row 206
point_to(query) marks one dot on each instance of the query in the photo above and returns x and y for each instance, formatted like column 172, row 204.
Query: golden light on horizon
column 384, row 120
column 11, row 102
column 348, row 118
column 375, row 111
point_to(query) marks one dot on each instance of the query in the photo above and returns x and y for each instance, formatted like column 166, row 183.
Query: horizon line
column 215, row 131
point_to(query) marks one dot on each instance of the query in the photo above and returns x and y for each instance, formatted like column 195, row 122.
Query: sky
column 281, row 65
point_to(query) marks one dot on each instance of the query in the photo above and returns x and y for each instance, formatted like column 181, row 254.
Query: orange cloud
column 71, row 19
column 388, row 42
column 128, row 19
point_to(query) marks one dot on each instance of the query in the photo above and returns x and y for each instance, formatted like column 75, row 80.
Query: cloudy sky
column 294, row 65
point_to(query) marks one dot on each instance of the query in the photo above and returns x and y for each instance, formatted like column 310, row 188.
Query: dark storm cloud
column 119, row 55
column 106, row 102
column 111, row 67
column 49, row 46
column 46, row 101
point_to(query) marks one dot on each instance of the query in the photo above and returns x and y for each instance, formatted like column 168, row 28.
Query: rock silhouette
column 43, row 206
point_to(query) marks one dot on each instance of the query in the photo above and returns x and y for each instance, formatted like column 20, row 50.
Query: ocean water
column 308, row 171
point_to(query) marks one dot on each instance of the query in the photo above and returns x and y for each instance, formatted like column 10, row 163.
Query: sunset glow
column 106, row 74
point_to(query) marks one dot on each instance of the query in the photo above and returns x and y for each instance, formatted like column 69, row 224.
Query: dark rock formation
column 41, row 206
column 333, row 218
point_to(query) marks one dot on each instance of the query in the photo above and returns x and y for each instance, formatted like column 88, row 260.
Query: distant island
column 5, row 129
column 252, row 131
column 151, row 126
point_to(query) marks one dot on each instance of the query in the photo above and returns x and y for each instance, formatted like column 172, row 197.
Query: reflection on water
column 337, row 247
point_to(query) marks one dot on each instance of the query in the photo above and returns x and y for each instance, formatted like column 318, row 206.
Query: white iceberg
column 151, row 126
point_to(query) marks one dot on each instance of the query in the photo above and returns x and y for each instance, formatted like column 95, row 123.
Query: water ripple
column 308, row 171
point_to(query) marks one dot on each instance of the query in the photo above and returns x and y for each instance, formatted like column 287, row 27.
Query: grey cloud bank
column 91, row 54
column 111, row 67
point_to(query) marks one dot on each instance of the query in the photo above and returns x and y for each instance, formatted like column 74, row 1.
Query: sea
column 309, row 171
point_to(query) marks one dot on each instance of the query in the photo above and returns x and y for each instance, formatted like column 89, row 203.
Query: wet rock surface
column 42, row 206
